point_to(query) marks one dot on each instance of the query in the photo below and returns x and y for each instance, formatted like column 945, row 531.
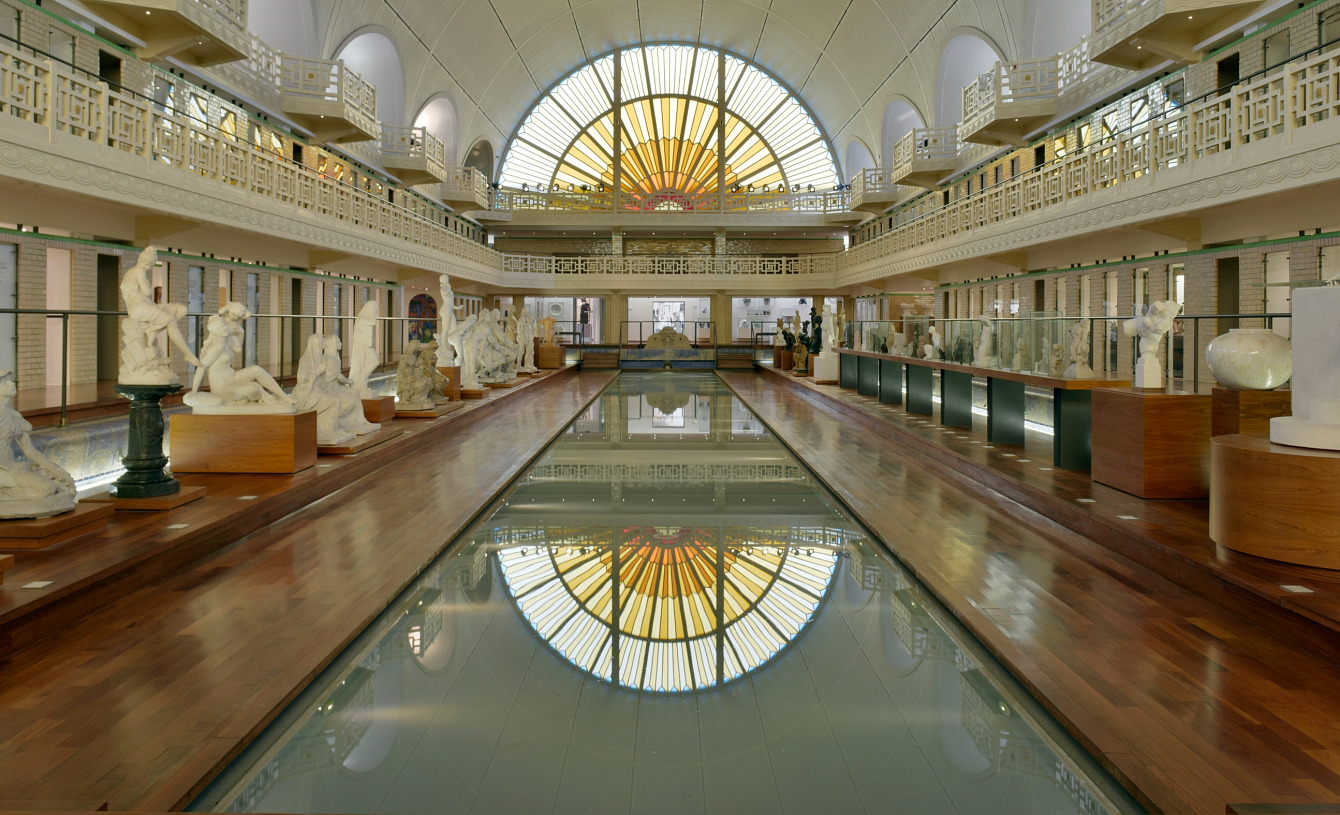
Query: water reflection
column 688, row 627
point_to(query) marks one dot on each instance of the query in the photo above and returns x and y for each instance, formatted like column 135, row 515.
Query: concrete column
column 616, row 311
column 724, row 318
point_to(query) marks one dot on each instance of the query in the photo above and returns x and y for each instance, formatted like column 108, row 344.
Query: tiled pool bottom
column 499, row 683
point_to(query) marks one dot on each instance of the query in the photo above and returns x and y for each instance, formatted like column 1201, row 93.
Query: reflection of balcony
column 329, row 100
column 464, row 189
column 925, row 156
column 197, row 32
column 1138, row 34
column 1004, row 104
column 413, row 155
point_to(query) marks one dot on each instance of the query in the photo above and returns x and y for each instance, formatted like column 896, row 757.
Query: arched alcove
column 900, row 118
column 438, row 117
column 966, row 56
column 481, row 158
column 285, row 25
column 1053, row 26
column 858, row 158
column 371, row 54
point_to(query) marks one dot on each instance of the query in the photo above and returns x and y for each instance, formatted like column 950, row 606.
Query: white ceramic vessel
column 1250, row 359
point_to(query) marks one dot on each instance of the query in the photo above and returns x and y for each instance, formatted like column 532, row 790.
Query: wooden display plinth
column 265, row 443
column 453, row 375
column 379, row 410
column 1275, row 501
column 39, row 533
column 474, row 393
column 6, row 563
column 1152, row 443
column 511, row 383
column 358, row 443
column 549, row 356
column 1247, row 411
column 162, row 503
column 430, row 413
column 783, row 359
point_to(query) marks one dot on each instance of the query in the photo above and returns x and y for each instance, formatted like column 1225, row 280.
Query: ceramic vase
column 1250, row 359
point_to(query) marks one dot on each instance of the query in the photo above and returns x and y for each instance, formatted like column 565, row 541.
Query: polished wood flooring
column 144, row 699
column 1189, row 703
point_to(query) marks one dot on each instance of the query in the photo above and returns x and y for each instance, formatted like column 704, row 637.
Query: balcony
column 413, row 155
column 925, row 156
column 874, row 190
column 327, row 99
column 803, row 206
column 464, row 189
column 196, row 32
column 1139, row 34
column 1008, row 102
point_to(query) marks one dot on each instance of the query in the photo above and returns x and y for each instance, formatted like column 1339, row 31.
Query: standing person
column 584, row 318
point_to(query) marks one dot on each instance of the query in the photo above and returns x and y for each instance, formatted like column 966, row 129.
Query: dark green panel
column 955, row 399
column 847, row 370
column 890, row 382
column 1073, row 444
column 920, row 390
column 868, row 381
column 1004, row 411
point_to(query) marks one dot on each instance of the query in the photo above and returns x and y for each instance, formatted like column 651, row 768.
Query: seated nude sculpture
column 36, row 488
column 250, row 390
column 142, row 363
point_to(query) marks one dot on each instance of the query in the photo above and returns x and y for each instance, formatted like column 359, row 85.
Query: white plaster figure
column 527, row 338
column 250, row 390
column 830, row 323
column 1079, row 352
column 413, row 388
column 931, row 350
column 986, row 344
column 549, row 324
column 898, row 345
column 447, row 308
column 363, row 355
column 840, row 325
column 35, row 488
column 1151, row 327
column 470, row 335
column 321, row 387
column 351, row 416
column 142, row 363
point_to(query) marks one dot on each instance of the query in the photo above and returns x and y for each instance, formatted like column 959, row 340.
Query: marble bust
column 249, row 390
column 142, row 363
column 35, row 488
column 1079, row 352
column 1151, row 326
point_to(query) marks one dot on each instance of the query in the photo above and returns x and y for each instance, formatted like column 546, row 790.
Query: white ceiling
column 847, row 58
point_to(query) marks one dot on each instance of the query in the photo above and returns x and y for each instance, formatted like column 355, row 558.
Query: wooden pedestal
column 162, row 503
column 274, row 443
column 474, row 393
column 511, row 383
column 1247, row 411
column 39, row 533
column 783, row 359
column 6, row 563
column 358, row 443
column 549, row 356
column 379, row 410
column 430, row 413
column 1152, row 443
column 453, row 375
column 1275, row 501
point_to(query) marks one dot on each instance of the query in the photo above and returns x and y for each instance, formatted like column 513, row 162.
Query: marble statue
column 363, row 356
column 548, row 325
column 323, row 388
column 469, row 335
column 668, row 337
column 931, row 350
column 411, row 385
column 446, row 314
column 986, row 344
column 802, row 358
column 1079, row 352
column 898, row 345
column 35, row 488
column 1156, row 321
column 142, row 363
column 827, row 339
column 437, row 381
column 249, row 390
column 496, row 354
column 842, row 337
column 527, row 338
column 1056, row 362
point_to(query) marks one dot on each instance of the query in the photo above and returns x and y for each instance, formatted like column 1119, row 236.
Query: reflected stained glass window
column 694, row 608
column 678, row 110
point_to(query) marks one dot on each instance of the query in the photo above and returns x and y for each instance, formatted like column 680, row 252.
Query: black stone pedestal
column 146, row 474
column 955, row 399
column 1004, row 411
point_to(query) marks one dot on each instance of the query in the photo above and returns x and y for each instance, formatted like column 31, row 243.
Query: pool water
column 665, row 613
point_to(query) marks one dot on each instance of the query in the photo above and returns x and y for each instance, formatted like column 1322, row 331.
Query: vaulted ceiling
column 846, row 58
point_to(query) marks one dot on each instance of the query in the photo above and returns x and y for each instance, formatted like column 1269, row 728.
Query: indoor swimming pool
column 665, row 613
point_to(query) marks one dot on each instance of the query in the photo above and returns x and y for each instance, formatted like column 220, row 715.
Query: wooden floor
column 1190, row 705
column 146, row 698
column 1187, row 702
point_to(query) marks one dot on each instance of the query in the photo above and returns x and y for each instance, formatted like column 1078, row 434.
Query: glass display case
column 1048, row 344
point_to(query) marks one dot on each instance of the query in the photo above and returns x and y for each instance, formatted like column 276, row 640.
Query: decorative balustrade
column 819, row 202
column 925, row 155
column 734, row 266
column 1305, row 93
column 1003, row 104
column 464, row 188
column 327, row 98
column 201, row 32
column 1139, row 34
column 413, row 154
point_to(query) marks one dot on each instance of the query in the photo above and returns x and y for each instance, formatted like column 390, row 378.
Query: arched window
column 677, row 105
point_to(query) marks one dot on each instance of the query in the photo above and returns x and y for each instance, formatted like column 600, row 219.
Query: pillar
column 616, row 311
column 723, row 316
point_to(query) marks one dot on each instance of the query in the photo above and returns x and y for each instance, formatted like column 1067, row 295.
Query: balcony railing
column 670, row 265
column 1007, row 101
column 806, row 201
column 202, row 32
column 327, row 98
column 464, row 189
column 413, row 154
